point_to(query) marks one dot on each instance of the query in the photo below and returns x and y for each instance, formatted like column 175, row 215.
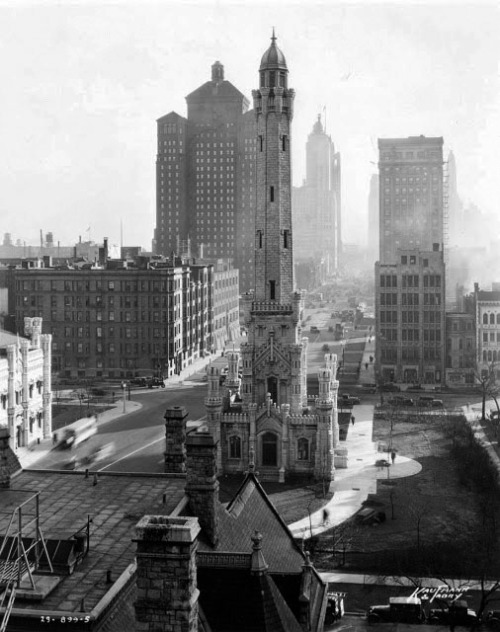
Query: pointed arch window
column 303, row 449
column 272, row 79
column 492, row 319
column 235, row 447
column 271, row 194
column 485, row 319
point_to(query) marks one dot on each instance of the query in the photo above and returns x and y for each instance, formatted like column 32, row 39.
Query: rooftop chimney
column 167, row 596
column 217, row 72
column 202, row 487
column 175, row 439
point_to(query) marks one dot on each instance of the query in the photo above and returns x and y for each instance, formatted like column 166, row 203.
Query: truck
column 78, row 431
column 399, row 609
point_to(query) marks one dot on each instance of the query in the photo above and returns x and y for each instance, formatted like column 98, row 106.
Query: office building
column 487, row 313
column 205, row 177
column 410, row 286
column 317, row 204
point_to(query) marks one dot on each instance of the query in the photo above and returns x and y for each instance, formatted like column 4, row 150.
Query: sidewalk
column 352, row 485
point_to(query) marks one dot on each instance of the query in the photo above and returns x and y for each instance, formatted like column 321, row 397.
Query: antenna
column 121, row 234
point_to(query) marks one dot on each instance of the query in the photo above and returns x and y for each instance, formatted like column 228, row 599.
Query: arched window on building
column 485, row 319
column 269, row 449
column 303, row 449
column 494, row 356
column 498, row 318
column 490, row 356
column 492, row 319
column 234, row 447
column 485, row 356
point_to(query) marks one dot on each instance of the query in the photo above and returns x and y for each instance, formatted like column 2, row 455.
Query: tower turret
column 273, row 104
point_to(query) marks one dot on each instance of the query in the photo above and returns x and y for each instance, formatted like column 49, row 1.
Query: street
column 138, row 438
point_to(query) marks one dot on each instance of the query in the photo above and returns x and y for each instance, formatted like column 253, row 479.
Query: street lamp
column 124, row 389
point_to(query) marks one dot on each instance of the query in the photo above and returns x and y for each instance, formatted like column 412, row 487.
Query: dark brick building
column 205, row 177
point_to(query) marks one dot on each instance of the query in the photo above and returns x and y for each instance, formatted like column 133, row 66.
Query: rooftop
column 115, row 505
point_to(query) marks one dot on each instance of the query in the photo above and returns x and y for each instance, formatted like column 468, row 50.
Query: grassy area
column 441, row 522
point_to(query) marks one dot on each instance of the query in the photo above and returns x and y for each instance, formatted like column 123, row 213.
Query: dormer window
column 272, row 79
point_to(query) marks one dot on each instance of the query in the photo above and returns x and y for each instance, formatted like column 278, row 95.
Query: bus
column 79, row 431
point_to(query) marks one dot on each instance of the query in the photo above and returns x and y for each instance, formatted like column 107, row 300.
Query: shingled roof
column 251, row 510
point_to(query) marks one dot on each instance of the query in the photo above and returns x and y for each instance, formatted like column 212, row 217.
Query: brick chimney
column 202, row 486
column 167, row 593
column 175, row 439
column 9, row 463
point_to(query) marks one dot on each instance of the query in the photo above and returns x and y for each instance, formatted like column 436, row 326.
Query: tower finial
column 273, row 38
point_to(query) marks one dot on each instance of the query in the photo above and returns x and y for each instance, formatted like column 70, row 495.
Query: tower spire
column 273, row 38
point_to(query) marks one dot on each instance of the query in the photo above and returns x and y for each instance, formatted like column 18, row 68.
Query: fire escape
column 21, row 549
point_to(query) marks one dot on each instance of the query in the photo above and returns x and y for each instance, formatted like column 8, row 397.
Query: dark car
column 456, row 614
column 349, row 399
column 401, row 401
column 369, row 516
column 492, row 619
column 138, row 381
column 399, row 609
column 389, row 386
column 155, row 382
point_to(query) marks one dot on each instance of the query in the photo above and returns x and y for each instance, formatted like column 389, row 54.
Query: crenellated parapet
column 303, row 420
column 234, row 418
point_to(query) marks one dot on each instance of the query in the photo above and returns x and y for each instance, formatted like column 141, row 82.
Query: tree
column 490, row 387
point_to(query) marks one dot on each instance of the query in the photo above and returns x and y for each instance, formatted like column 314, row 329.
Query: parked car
column 154, row 382
column 399, row 609
column 457, row 613
column 437, row 403
column 492, row 619
column 345, row 398
column 425, row 401
column 401, row 401
column 389, row 386
column 369, row 516
column 139, row 381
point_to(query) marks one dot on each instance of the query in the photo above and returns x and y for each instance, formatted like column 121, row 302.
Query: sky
column 84, row 82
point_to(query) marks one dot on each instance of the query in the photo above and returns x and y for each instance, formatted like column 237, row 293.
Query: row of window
column 491, row 319
column 235, row 443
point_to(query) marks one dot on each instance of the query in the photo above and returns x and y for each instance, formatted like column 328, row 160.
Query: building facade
column 487, row 308
column 410, row 286
column 410, row 318
column 205, row 177
column 25, row 385
column 119, row 320
column 460, row 348
column 265, row 415
column 317, row 204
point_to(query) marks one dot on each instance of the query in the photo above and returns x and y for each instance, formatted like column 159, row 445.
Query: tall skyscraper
column 205, row 177
column 410, row 276
column 317, row 203
column 373, row 218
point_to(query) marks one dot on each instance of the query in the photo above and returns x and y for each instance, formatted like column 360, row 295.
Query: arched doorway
column 272, row 388
column 269, row 449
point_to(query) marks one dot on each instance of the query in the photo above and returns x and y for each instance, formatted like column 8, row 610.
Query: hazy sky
column 84, row 82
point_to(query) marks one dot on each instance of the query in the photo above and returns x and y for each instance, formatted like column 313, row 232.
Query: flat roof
column 115, row 505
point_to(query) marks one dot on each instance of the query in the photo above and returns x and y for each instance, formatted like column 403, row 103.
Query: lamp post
column 124, row 392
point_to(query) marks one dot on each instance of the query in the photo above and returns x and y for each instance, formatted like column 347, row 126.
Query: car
column 456, row 613
column 399, row 609
column 369, row 516
column 437, row 403
column 156, row 382
column 345, row 398
column 492, row 619
column 139, row 381
column 401, row 401
column 389, row 386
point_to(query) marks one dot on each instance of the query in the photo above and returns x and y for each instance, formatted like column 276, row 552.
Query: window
column 303, row 449
column 404, row 259
column 234, row 447
column 492, row 319
column 286, row 238
column 272, row 290
column 271, row 194
column 485, row 319
column 261, row 142
column 283, row 142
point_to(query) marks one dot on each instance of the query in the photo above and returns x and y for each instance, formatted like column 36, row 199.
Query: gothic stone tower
column 274, row 357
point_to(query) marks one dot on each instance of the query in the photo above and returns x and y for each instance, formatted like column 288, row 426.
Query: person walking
column 393, row 457
column 352, row 419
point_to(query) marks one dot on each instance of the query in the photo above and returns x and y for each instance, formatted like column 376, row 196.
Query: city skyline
column 87, row 82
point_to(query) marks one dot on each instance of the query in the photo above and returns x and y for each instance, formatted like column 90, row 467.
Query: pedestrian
column 393, row 456
column 54, row 438
column 366, row 366
column 326, row 516
column 352, row 419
